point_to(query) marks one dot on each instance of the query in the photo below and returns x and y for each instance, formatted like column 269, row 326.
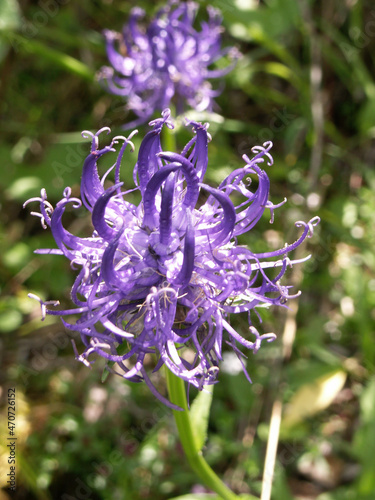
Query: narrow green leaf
column 28, row 45
column 280, row 70
column 366, row 118
column 259, row 35
column 177, row 394
column 200, row 414
column 313, row 397
column 354, row 67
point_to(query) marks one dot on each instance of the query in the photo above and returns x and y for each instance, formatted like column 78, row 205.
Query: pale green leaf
column 313, row 397
column 199, row 415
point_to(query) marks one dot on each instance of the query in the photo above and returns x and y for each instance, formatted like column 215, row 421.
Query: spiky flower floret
column 168, row 61
column 168, row 273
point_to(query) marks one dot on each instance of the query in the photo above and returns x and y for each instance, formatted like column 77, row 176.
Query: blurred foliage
column 306, row 82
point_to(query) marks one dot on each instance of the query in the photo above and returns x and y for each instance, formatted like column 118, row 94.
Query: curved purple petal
column 184, row 276
column 170, row 61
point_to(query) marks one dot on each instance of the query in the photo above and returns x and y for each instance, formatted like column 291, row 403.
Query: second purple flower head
column 169, row 61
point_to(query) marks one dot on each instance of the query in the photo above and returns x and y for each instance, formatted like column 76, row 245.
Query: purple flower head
column 165, row 277
column 169, row 61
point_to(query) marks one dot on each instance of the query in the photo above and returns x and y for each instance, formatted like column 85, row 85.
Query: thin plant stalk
column 177, row 394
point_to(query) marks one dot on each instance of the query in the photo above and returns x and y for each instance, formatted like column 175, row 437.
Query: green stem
column 177, row 394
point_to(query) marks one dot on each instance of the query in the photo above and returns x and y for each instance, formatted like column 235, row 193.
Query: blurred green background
column 306, row 82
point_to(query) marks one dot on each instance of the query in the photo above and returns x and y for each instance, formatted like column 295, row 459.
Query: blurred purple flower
column 169, row 273
column 169, row 61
